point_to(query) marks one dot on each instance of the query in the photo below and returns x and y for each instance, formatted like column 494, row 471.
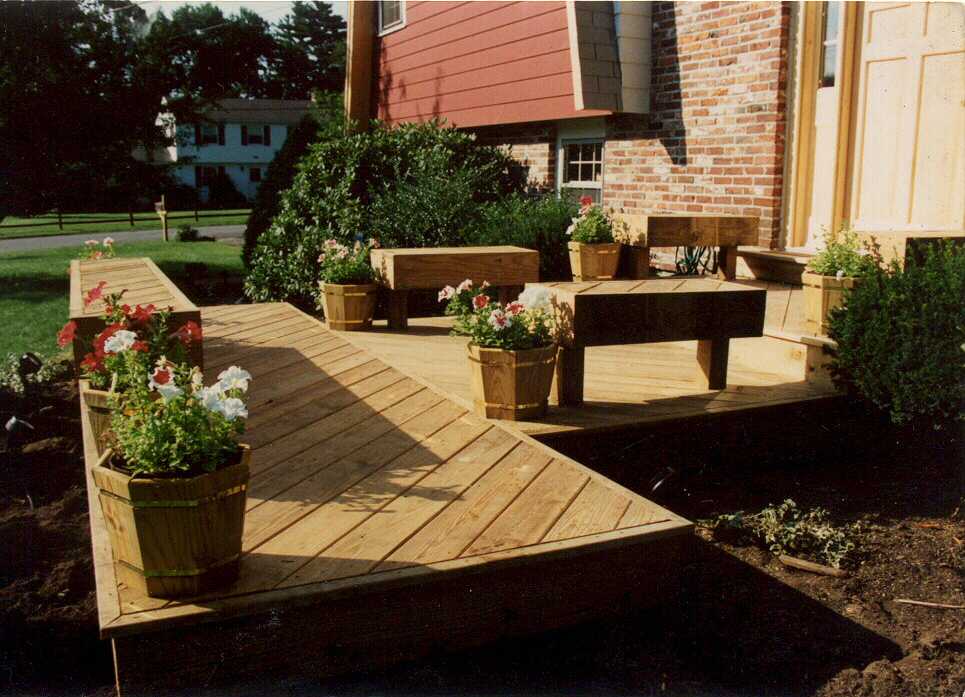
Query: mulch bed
column 742, row 624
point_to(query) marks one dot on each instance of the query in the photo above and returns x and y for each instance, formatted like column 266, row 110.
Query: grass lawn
column 79, row 223
column 34, row 286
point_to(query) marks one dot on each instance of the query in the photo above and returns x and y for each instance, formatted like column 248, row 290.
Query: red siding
column 477, row 63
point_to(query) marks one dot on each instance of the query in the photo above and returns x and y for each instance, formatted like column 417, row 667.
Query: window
column 256, row 135
column 391, row 15
column 830, row 21
column 203, row 176
column 209, row 134
column 582, row 171
column 254, row 174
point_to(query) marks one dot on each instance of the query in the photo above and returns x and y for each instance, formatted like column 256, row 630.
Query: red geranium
column 93, row 362
column 140, row 346
column 140, row 314
column 189, row 333
column 67, row 334
column 480, row 301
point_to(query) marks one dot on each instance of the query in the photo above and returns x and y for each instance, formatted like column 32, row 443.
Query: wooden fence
column 132, row 218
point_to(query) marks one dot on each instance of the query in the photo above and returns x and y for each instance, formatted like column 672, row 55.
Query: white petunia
column 120, row 340
column 169, row 391
column 234, row 378
column 535, row 298
column 211, row 397
column 446, row 293
column 233, row 408
column 840, row 274
column 465, row 285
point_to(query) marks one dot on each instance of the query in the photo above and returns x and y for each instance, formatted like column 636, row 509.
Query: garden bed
column 742, row 624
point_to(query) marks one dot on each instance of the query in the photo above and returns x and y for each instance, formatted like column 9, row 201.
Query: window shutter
column 197, row 176
column 267, row 135
column 197, row 135
column 244, row 135
column 220, row 134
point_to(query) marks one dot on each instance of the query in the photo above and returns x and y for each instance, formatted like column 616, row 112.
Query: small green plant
column 901, row 337
column 340, row 264
column 170, row 423
column 593, row 226
column 786, row 529
column 51, row 370
column 843, row 255
column 525, row 323
column 186, row 233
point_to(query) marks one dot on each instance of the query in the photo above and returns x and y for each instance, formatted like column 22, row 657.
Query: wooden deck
column 381, row 512
column 624, row 386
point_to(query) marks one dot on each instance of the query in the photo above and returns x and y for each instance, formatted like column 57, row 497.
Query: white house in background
column 239, row 139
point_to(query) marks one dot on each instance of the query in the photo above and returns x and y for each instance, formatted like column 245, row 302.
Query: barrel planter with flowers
column 172, row 486
column 512, row 352
column 130, row 342
column 830, row 276
column 594, row 253
column 347, row 290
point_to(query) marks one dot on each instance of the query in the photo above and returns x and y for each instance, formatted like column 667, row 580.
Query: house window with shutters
column 203, row 176
column 209, row 134
column 255, row 135
column 254, row 174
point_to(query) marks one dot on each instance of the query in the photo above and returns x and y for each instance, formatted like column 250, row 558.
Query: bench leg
column 568, row 381
column 712, row 359
column 727, row 263
column 398, row 310
column 638, row 263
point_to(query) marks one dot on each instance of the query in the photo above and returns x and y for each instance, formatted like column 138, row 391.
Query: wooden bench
column 639, row 312
column 725, row 232
column 506, row 268
column 145, row 283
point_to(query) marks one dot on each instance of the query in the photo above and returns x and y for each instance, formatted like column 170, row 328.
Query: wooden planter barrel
column 97, row 405
column 348, row 308
column 594, row 262
column 821, row 295
column 512, row 385
column 174, row 537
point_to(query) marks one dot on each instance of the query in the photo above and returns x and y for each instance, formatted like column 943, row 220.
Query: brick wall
column 532, row 144
column 714, row 140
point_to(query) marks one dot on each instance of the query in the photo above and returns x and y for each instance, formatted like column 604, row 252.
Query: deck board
column 364, row 478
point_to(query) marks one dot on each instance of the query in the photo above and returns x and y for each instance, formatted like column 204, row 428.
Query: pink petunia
column 500, row 320
column 515, row 307
column 480, row 301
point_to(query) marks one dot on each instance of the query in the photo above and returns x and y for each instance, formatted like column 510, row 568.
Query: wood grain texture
column 433, row 268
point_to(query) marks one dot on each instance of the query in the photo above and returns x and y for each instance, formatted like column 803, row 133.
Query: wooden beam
column 360, row 47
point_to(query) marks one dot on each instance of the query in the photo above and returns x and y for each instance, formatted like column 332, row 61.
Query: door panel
column 909, row 138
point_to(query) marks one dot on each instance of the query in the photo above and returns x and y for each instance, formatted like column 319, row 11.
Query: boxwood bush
column 901, row 337
column 415, row 185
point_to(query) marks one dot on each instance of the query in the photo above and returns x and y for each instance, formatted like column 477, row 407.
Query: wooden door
column 908, row 155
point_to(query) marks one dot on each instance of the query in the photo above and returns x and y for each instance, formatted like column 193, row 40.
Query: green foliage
column 186, row 233
column 341, row 264
column 843, row 254
column 786, row 529
column 523, row 324
column 538, row 223
column 901, row 337
column 190, row 429
column 52, row 370
column 593, row 226
column 416, row 185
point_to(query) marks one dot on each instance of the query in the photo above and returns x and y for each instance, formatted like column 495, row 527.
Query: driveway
column 28, row 243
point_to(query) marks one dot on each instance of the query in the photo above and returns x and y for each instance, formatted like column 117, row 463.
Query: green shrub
column 901, row 337
column 186, row 233
column 534, row 223
column 843, row 254
column 279, row 177
column 416, row 185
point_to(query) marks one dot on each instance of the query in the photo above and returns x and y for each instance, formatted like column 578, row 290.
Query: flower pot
column 821, row 295
column 174, row 536
column 349, row 308
column 97, row 405
column 594, row 262
column 511, row 385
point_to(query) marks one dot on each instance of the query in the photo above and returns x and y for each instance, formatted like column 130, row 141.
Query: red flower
column 480, row 301
column 93, row 362
column 140, row 314
column 95, row 293
column 514, row 308
column 161, row 376
column 586, row 201
column 140, row 346
column 67, row 333
column 189, row 333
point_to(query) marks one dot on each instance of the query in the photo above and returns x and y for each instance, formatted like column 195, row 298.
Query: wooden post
column 60, row 219
column 398, row 310
column 712, row 359
column 162, row 211
column 197, row 218
column 638, row 264
column 568, row 382
column 727, row 263
column 130, row 214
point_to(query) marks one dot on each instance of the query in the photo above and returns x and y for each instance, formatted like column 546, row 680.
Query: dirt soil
column 742, row 624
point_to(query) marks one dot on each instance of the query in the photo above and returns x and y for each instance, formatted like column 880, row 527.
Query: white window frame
column 206, row 129
column 258, row 128
column 383, row 30
column 590, row 130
